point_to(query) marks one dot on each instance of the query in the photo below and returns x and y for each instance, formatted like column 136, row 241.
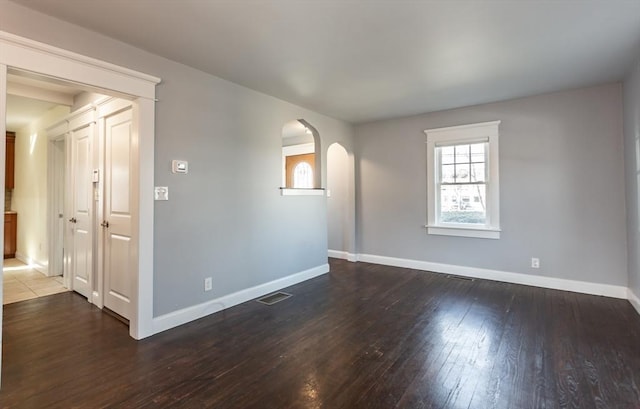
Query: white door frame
column 55, row 188
column 28, row 55
column 3, row 147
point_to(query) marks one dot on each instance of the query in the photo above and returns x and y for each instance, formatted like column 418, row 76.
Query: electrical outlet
column 535, row 262
column 208, row 284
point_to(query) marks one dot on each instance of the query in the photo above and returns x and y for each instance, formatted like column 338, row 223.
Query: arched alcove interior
column 301, row 156
column 338, row 199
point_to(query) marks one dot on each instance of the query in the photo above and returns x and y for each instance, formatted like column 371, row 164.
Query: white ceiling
column 295, row 129
column 362, row 60
column 29, row 97
column 22, row 111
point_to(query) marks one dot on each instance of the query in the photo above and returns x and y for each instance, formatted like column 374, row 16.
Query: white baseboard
column 33, row 263
column 633, row 299
column 504, row 276
column 343, row 255
column 176, row 318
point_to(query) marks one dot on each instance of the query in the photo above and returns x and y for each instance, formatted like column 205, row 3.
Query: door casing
column 56, row 162
column 22, row 54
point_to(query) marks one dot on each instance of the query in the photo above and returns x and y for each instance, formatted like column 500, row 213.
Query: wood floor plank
column 363, row 336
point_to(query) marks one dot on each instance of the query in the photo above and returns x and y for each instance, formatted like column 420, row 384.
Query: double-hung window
column 463, row 184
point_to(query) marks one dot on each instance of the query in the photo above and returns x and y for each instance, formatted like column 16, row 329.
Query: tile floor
column 24, row 283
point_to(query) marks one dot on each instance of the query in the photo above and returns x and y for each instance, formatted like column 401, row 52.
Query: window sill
column 284, row 191
column 480, row 233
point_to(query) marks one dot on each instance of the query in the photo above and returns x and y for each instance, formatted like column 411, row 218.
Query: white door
column 80, row 223
column 118, row 211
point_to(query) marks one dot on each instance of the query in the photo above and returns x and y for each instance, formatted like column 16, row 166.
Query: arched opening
column 339, row 202
column 301, row 158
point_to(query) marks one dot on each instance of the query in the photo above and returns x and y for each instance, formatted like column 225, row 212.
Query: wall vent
column 455, row 277
column 273, row 298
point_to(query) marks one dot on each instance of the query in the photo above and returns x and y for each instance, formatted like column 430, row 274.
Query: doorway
column 23, row 282
column 87, row 187
column 340, row 203
column 54, row 63
column 31, row 106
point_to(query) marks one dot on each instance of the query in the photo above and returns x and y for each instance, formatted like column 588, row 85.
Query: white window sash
column 463, row 135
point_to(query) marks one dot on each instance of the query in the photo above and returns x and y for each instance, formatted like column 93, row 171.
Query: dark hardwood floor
column 363, row 336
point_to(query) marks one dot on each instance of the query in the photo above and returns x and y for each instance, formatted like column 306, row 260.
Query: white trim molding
column 344, row 255
column 3, row 126
column 464, row 232
column 633, row 299
column 584, row 287
column 183, row 316
column 19, row 52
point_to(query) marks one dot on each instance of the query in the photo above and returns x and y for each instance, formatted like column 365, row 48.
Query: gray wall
column 632, row 167
column 226, row 218
column 561, row 187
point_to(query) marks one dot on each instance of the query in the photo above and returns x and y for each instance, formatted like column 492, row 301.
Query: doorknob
column 73, row 220
column 104, row 224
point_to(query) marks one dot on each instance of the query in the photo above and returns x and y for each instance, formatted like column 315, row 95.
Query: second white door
column 118, row 211
column 81, row 219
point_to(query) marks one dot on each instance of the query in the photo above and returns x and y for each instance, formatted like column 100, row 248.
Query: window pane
column 462, row 153
column 303, row 176
column 477, row 172
column 447, row 153
column 463, row 204
column 462, row 173
column 448, row 174
column 477, row 152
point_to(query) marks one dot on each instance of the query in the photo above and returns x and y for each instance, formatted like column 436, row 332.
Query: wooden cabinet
column 10, row 218
column 9, row 175
column 10, row 234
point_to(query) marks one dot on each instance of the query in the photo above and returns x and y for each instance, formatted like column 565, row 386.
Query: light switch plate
column 161, row 193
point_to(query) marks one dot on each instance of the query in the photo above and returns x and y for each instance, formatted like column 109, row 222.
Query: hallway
column 21, row 282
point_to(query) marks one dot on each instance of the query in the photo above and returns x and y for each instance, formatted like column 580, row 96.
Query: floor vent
column 273, row 298
column 461, row 277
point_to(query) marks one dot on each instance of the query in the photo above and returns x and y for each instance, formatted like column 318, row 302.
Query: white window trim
column 465, row 133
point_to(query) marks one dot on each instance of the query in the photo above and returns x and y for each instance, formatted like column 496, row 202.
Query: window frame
column 487, row 132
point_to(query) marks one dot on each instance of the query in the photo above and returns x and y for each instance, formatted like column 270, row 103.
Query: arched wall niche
column 301, row 158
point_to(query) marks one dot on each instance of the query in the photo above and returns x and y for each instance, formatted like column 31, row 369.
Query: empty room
column 320, row 204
